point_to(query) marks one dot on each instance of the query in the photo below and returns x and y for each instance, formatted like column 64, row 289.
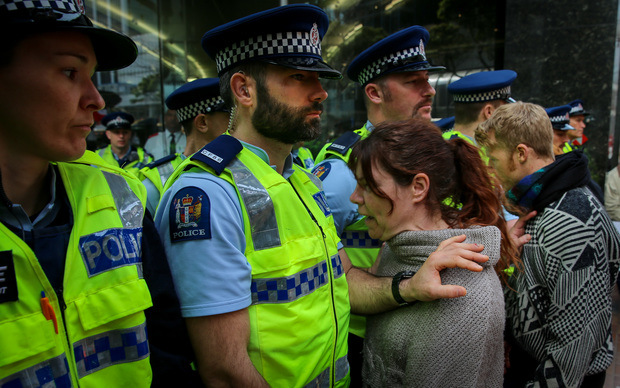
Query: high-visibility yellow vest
column 98, row 337
column 300, row 307
column 306, row 158
column 568, row 147
column 160, row 170
column 360, row 247
column 453, row 133
column 133, row 166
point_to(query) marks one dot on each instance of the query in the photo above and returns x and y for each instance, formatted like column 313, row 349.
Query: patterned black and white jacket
column 559, row 307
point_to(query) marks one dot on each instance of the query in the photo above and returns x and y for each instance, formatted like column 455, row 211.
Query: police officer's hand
column 426, row 285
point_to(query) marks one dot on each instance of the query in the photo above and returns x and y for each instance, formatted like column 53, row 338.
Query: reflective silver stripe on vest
column 259, row 206
column 322, row 380
column 127, row 203
column 110, row 348
column 49, row 373
column 164, row 171
column 102, row 152
column 315, row 179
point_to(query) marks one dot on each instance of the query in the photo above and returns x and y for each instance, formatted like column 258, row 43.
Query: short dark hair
column 467, row 113
column 254, row 69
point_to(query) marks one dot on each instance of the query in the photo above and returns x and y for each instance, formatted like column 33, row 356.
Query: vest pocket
column 113, row 303
column 25, row 337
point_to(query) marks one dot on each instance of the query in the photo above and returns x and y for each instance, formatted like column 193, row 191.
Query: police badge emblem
column 190, row 215
column 314, row 35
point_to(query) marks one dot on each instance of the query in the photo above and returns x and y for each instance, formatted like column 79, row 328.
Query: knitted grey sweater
column 444, row 343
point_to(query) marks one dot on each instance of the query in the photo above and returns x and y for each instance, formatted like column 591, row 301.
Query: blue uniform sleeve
column 200, row 222
column 338, row 184
column 152, row 195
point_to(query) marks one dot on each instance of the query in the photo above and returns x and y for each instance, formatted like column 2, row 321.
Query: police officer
column 203, row 115
column 560, row 119
column 560, row 122
column 476, row 96
column 75, row 250
column 577, row 115
column 120, row 152
column 394, row 75
column 253, row 229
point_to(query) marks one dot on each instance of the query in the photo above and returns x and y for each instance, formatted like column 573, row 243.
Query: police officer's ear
column 374, row 93
column 201, row 123
column 487, row 111
column 242, row 86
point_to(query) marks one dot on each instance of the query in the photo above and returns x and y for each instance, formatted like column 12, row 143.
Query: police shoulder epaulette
column 161, row 161
column 344, row 142
column 219, row 153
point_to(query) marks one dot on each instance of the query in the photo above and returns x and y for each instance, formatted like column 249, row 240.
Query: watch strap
column 395, row 286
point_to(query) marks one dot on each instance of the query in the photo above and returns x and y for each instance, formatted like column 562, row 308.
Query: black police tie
column 173, row 144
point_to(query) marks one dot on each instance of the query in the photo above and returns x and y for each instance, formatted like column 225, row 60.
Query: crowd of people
column 408, row 253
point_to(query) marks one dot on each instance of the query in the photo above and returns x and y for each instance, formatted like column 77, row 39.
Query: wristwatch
column 396, row 282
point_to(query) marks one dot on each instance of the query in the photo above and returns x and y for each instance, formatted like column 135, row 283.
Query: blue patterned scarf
column 539, row 189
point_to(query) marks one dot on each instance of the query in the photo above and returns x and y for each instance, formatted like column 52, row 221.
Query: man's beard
column 276, row 120
column 415, row 112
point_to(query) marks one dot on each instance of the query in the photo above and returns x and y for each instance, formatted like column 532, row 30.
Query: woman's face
column 47, row 97
column 383, row 221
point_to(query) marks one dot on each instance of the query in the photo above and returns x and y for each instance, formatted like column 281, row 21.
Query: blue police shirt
column 339, row 183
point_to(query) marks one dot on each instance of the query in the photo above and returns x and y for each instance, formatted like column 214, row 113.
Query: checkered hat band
column 266, row 45
column 559, row 119
column 67, row 6
column 374, row 69
column 483, row 96
column 193, row 110
column 576, row 110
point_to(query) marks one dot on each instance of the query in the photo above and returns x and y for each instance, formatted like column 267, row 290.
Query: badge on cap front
column 314, row 35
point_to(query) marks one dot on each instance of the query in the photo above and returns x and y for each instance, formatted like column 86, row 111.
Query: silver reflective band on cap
column 263, row 46
column 259, row 206
column 499, row 94
column 193, row 110
column 59, row 10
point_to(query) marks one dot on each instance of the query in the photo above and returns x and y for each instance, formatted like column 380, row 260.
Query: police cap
column 399, row 52
column 445, row 124
column 20, row 17
column 576, row 108
column 196, row 97
column 559, row 117
column 483, row 86
column 288, row 36
column 117, row 120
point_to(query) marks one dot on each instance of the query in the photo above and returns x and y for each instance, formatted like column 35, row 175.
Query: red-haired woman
column 416, row 190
